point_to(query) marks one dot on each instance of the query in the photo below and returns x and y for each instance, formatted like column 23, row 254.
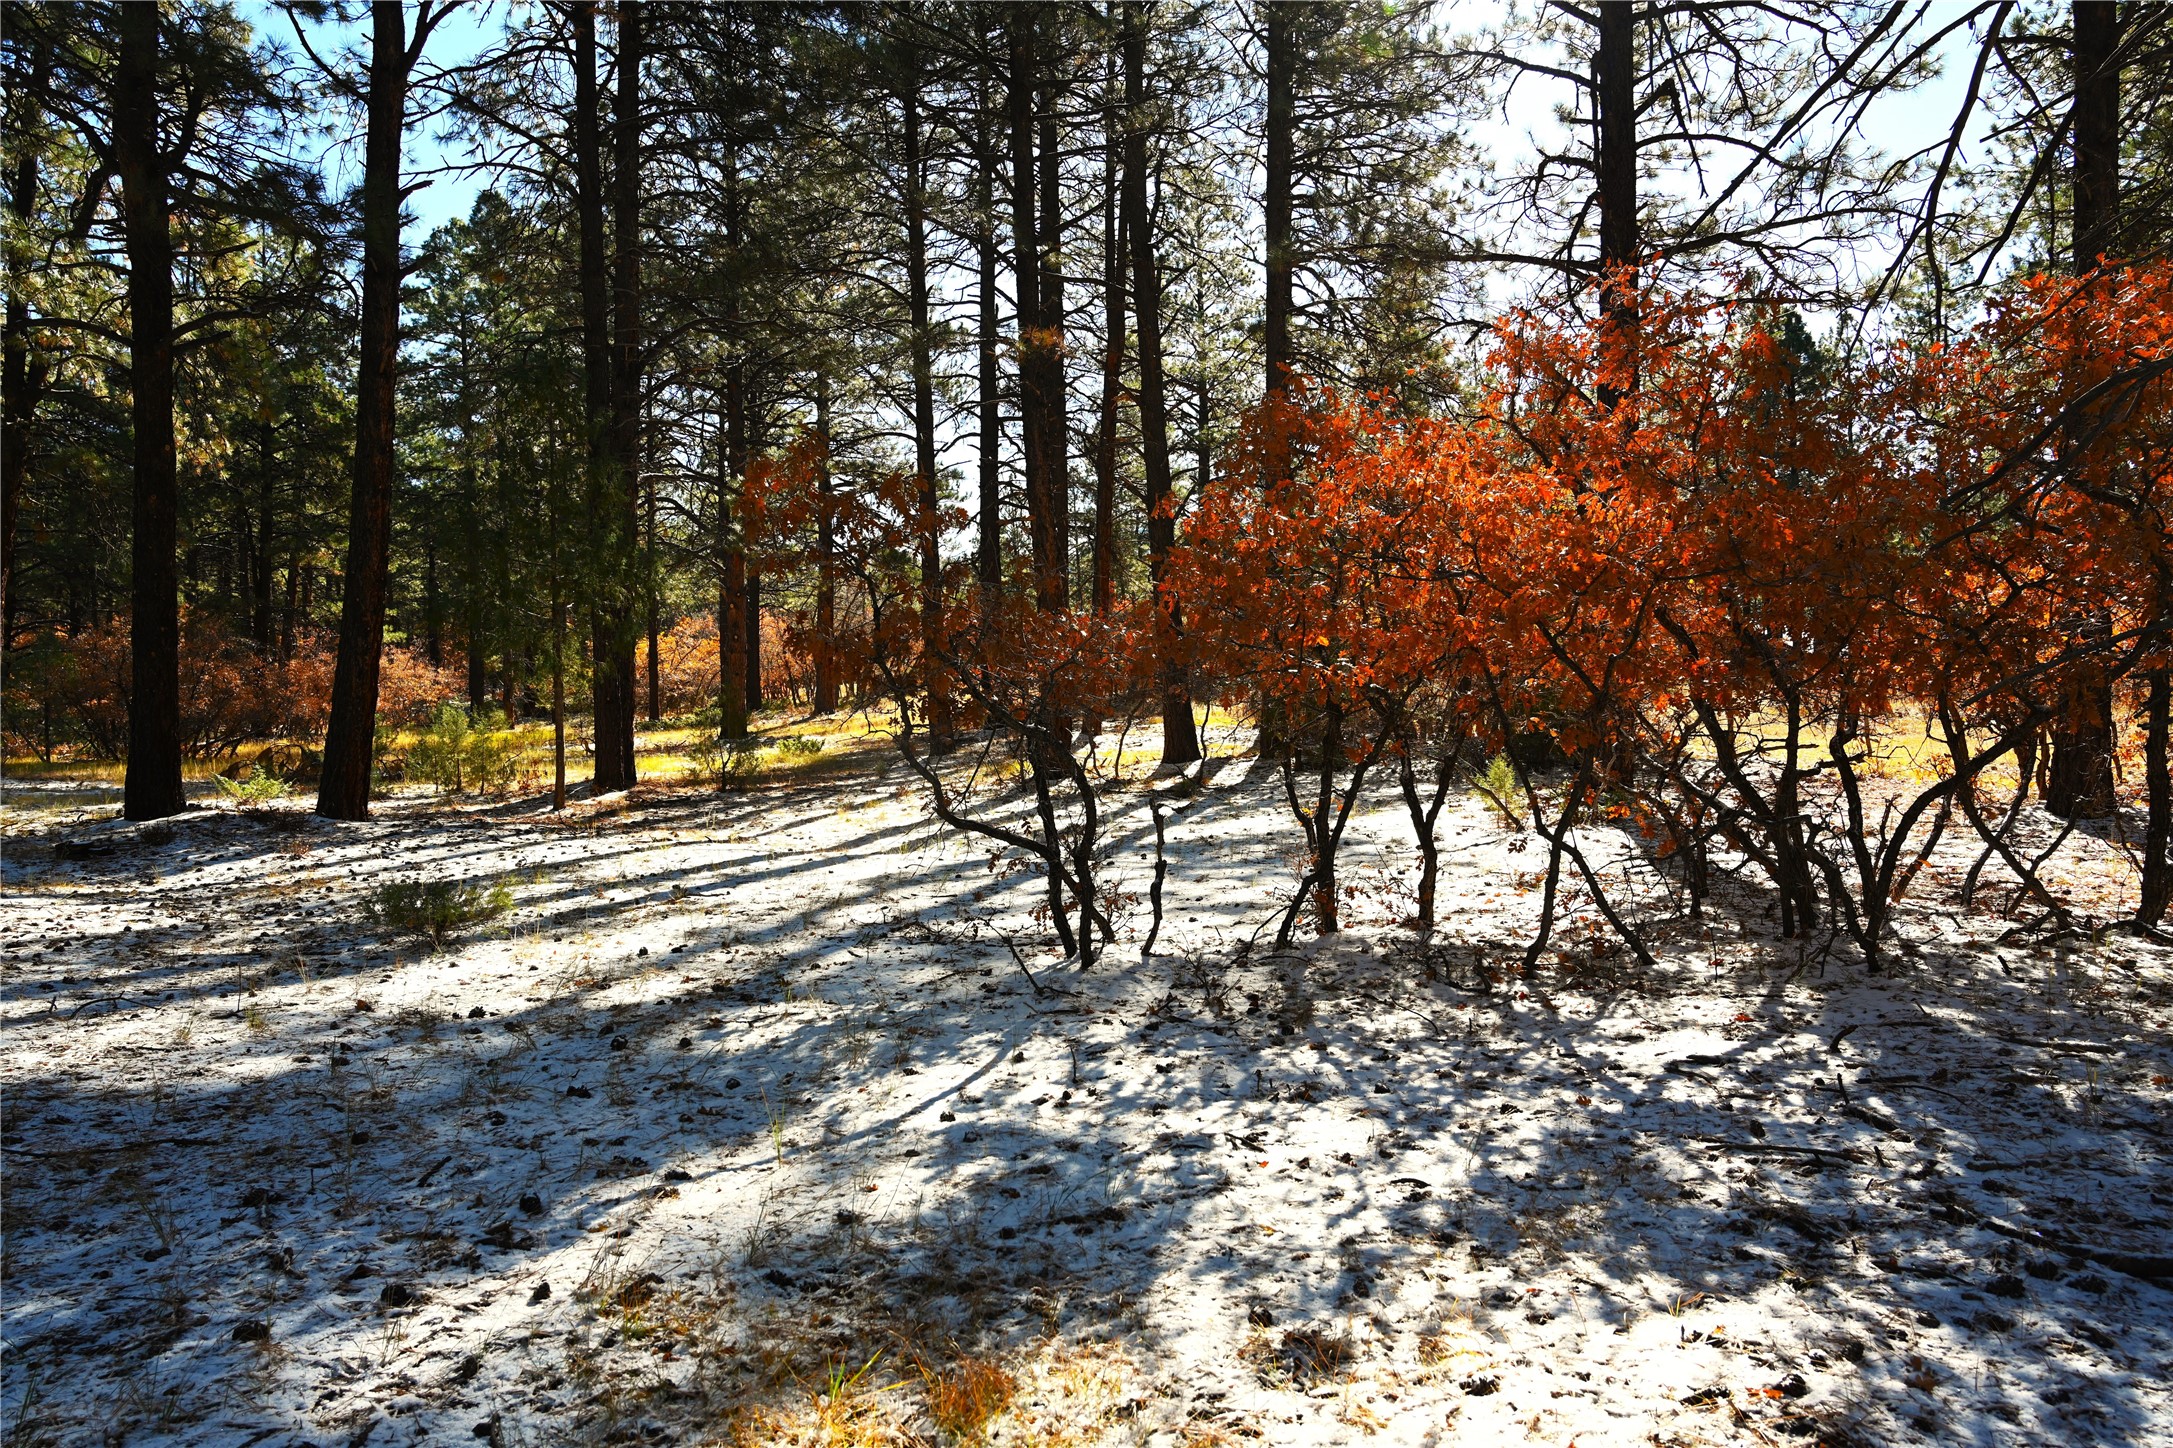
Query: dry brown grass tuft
column 964, row 1397
column 1302, row 1357
column 822, row 1382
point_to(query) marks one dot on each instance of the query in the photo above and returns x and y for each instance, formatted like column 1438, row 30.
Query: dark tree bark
column 733, row 703
column 752, row 590
column 732, row 579
column 595, row 271
column 619, row 527
column 2097, row 131
column 1424, row 808
column 2158, row 799
column 2079, row 780
column 826, row 668
column 1055, row 397
column 1114, row 220
column 1025, row 266
column 924, row 415
column 294, row 607
column 554, row 500
column 1615, row 170
column 1180, row 736
column 152, row 788
column 343, row 789
column 558, row 688
column 597, row 368
column 988, row 558
column 433, row 630
column 1203, row 457
column 2079, row 783
column 1277, row 199
column 1040, row 375
column 22, row 375
column 260, row 621
column 478, row 669
column 650, row 600
column 589, row 207
column 1278, row 204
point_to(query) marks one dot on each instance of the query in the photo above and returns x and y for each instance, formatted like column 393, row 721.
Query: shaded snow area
column 745, row 1126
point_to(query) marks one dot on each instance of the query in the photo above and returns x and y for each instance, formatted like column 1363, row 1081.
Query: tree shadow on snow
column 830, row 1114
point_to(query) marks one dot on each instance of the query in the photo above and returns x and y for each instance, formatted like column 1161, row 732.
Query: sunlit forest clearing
column 1062, row 723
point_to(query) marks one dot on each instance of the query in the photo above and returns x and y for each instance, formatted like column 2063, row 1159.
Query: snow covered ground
column 745, row 1126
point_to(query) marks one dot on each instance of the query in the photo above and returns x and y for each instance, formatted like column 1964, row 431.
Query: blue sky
column 1897, row 124
column 337, row 147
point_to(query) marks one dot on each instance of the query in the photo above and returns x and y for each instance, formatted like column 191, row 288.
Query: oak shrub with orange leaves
column 1692, row 583
column 69, row 695
column 1014, row 683
column 1717, row 571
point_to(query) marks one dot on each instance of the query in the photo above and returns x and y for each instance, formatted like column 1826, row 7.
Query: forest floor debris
column 742, row 1125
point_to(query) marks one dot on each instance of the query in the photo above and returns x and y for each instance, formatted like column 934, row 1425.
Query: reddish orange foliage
column 1644, row 555
column 1751, row 531
column 231, row 694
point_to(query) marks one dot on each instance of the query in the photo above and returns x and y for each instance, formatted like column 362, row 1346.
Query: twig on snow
column 1039, row 988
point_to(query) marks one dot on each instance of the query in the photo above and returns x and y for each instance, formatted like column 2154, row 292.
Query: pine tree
column 343, row 790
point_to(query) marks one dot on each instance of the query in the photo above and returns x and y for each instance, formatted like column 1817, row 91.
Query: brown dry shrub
column 686, row 657
column 686, row 665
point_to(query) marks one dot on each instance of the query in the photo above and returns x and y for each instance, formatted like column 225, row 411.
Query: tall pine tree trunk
column 924, row 419
column 619, row 525
column 554, row 500
column 1114, row 219
column 1180, row 736
column 2079, row 784
column 988, row 555
column 22, row 376
column 1277, row 198
column 1278, row 206
column 260, row 619
column 1037, row 338
column 1615, row 165
column 596, row 368
column 343, row 790
column 826, row 620
column 2097, row 132
column 732, row 580
column 605, row 353
column 1056, row 440
column 433, row 623
column 651, row 602
column 733, row 702
column 750, row 545
column 152, row 789
column 752, row 590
